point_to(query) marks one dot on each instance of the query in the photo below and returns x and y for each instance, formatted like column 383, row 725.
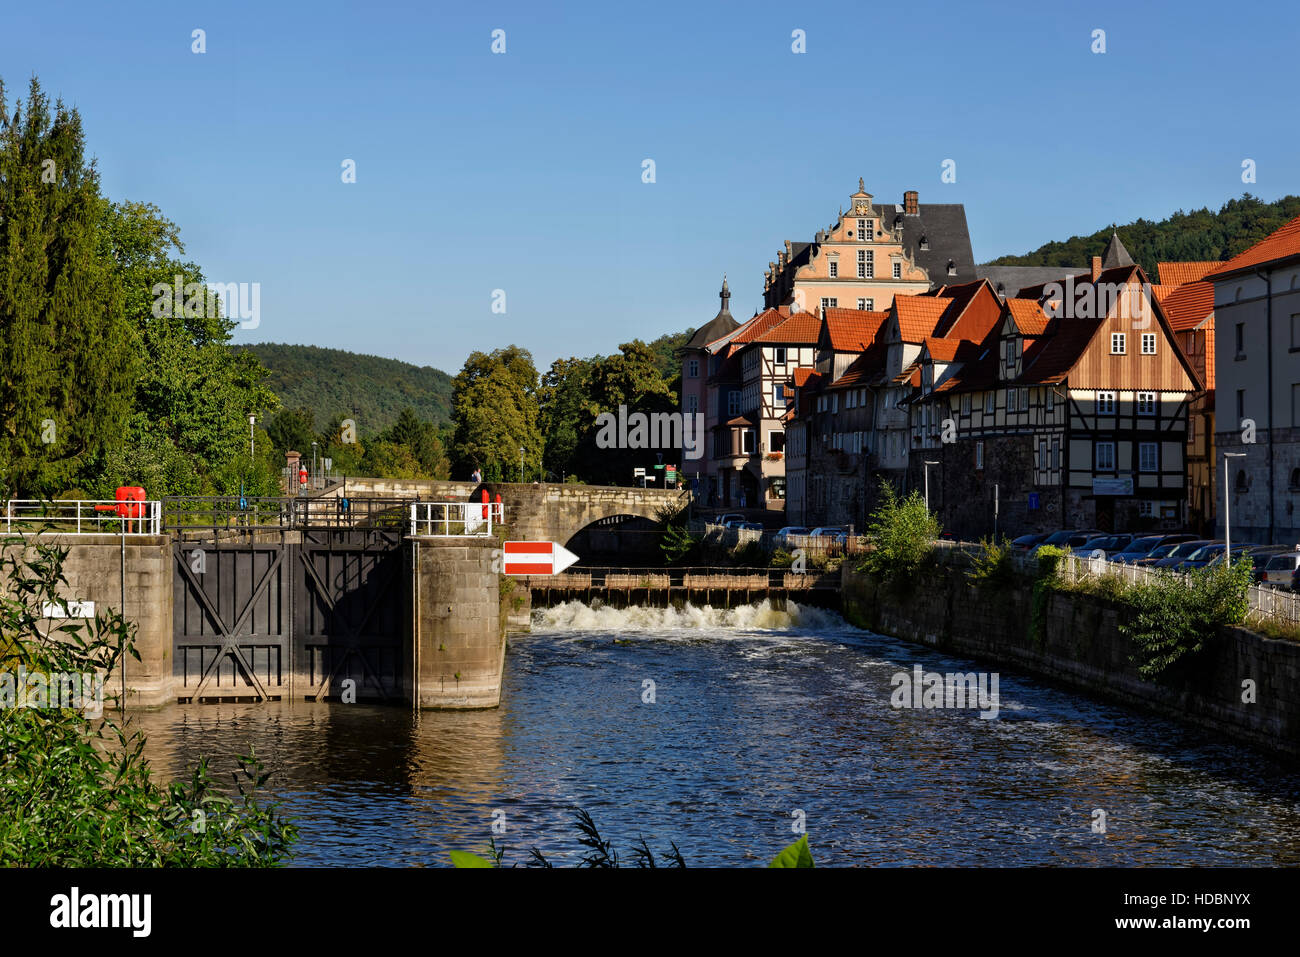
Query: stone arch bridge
column 535, row 512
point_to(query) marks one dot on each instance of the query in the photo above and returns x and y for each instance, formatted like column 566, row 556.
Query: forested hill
column 1198, row 236
column 335, row 382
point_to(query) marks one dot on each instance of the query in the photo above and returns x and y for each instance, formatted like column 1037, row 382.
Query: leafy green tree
column 495, row 414
column 193, row 395
column 631, row 378
column 563, row 413
column 67, row 353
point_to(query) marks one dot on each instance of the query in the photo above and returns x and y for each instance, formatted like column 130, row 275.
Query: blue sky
column 522, row 171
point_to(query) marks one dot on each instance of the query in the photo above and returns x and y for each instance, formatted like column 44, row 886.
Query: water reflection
column 755, row 715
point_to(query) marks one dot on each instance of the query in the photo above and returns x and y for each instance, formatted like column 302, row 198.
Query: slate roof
column 1115, row 254
column 944, row 226
column 1015, row 278
column 1284, row 243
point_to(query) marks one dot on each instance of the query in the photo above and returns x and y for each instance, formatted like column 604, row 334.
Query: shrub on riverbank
column 902, row 533
column 75, row 792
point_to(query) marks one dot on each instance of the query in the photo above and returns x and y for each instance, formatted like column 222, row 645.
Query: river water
column 760, row 721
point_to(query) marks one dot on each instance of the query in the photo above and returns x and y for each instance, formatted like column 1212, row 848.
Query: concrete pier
column 457, row 635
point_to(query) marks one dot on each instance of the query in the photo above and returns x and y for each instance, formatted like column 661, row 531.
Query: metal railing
column 701, row 577
column 255, row 512
column 28, row 516
column 447, row 519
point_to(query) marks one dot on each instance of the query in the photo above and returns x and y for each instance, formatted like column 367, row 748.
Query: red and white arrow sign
column 537, row 558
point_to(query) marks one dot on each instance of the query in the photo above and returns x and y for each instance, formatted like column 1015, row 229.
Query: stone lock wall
column 93, row 570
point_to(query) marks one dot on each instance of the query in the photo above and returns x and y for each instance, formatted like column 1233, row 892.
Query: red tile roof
column 1209, row 357
column 801, row 328
column 919, row 315
column 1282, row 244
column 852, row 330
column 1189, row 305
column 1178, row 274
column 945, row 350
column 1028, row 316
column 760, row 324
column 1060, row 351
column 803, row 374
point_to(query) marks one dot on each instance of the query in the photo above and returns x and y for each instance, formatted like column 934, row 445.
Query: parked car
column 835, row 533
column 1025, row 542
column 1172, row 553
column 726, row 520
column 1139, row 548
column 1069, row 538
column 1278, row 569
column 749, row 526
column 1238, row 553
column 1106, row 544
column 782, row 538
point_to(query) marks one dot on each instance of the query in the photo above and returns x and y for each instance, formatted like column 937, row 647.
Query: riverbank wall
column 1242, row 686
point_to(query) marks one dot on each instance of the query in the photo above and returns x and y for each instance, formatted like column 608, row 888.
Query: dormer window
column 925, row 242
column 952, row 268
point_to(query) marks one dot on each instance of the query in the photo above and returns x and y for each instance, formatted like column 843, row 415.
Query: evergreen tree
column 67, row 353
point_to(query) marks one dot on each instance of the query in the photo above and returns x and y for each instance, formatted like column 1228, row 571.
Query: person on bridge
column 476, row 476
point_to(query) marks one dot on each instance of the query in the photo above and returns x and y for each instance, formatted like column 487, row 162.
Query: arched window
column 1241, row 480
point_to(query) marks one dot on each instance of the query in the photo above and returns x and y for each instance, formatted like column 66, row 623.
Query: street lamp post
column 928, row 463
column 251, row 420
column 313, row 465
column 1227, row 507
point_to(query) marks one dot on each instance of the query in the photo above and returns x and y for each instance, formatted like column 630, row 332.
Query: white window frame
column 1118, row 343
column 833, row 264
column 862, row 305
column 1145, row 449
column 779, row 355
column 897, row 270
column 965, row 403
column 990, row 402
column 1148, row 338
column 1098, row 464
column 1105, row 403
column 1146, row 403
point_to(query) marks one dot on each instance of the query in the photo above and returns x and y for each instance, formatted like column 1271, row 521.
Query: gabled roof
column 800, row 328
column 1028, row 316
column 759, row 324
column 803, row 374
column 851, row 330
column 944, row 350
column 1189, row 305
column 1284, row 243
column 1176, row 274
column 919, row 315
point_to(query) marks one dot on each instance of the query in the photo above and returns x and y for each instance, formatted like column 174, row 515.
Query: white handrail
column 456, row 519
column 82, row 516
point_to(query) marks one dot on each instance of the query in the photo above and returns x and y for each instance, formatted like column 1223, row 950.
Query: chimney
column 1096, row 268
column 911, row 204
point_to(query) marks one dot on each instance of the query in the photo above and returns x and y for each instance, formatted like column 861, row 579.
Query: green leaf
column 466, row 859
column 796, row 855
